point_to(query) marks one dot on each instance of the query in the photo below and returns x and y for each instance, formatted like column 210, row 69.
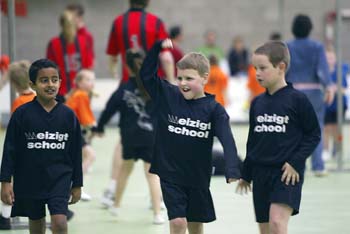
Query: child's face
column 87, row 83
column 266, row 74
column 47, row 84
column 190, row 83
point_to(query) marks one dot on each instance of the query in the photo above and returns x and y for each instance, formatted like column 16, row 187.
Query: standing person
column 18, row 75
column 210, row 47
column 70, row 52
column 217, row 81
column 136, row 124
column 136, row 29
column 79, row 100
column 283, row 132
column 42, row 152
column 176, row 37
column 187, row 121
column 238, row 57
column 79, row 12
column 330, row 120
column 309, row 73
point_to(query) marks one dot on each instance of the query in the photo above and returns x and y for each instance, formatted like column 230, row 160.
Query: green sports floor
column 325, row 207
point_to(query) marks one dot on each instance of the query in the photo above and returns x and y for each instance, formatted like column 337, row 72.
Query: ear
column 205, row 78
column 282, row 66
column 32, row 85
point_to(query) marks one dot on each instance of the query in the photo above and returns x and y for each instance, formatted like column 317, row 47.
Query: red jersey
column 89, row 40
column 134, row 29
column 70, row 58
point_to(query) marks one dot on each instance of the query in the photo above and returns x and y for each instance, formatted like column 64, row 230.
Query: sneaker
column 158, row 219
column 5, row 223
column 70, row 215
column 107, row 199
column 321, row 173
column 326, row 155
column 115, row 211
column 85, row 196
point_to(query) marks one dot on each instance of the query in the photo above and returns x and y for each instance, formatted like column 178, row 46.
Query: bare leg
column 178, row 226
column 279, row 217
column 154, row 188
column 59, row 224
column 326, row 136
column 37, row 226
column 125, row 171
column 264, row 228
column 117, row 161
column 195, row 228
column 88, row 157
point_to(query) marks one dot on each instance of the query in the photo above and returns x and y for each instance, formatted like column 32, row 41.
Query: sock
column 112, row 186
column 6, row 211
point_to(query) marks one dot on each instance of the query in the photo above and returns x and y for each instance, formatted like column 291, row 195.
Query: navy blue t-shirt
column 42, row 151
column 185, row 131
column 283, row 127
column 137, row 121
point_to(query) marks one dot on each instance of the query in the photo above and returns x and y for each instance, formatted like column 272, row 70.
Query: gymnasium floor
column 324, row 209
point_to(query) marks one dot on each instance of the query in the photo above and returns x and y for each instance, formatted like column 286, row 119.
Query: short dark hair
column 275, row 36
column 38, row 65
column 142, row 3
column 174, row 31
column 301, row 26
column 276, row 51
column 76, row 7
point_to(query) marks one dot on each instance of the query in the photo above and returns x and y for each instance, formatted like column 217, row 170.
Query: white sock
column 6, row 211
column 112, row 186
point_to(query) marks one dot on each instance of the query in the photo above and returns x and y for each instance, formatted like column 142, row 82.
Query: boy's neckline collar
column 289, row 85
column 136, row 9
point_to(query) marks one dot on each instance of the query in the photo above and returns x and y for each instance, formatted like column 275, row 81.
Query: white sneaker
column 85, row 196
column 107, row 199
column 158, row 219
column 326, row 155
column 115, row 211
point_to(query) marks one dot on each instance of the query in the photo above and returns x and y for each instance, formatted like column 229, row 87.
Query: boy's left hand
column 167, row 44
column 289, row 174
column 75, row 195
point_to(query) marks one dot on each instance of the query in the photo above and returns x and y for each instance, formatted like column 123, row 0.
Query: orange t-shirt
column 252, row 84
column 217, row 84
column 22, row 99
column 79, row 102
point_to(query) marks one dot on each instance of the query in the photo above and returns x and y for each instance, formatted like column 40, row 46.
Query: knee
column 59, row 226
column 276, row 225
column 178, row 224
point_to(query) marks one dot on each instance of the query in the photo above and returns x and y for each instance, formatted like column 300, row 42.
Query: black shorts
column 139, row 152
column 268, row 188
column 196, row 205
column 35, row 209
column 331, row 116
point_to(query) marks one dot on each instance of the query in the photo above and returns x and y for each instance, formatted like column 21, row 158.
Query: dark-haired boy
column 42, row 152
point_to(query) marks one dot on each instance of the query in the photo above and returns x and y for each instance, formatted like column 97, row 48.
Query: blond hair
column 18, row 74
column 195, row 61
column 82, row 74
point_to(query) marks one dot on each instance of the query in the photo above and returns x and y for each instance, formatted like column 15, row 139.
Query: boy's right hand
column 7, row 195
column 243, row 187
column 167, row 44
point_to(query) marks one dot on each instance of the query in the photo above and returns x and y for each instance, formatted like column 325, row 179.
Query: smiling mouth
column 185, row 89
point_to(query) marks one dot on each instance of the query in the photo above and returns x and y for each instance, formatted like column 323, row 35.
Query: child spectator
column 283, row 132
column 79, row 101
column 42, row 155
column 217, row 82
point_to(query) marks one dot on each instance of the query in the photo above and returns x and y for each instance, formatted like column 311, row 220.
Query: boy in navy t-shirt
column 283, row 132
column 42, row 152
column 187, row 121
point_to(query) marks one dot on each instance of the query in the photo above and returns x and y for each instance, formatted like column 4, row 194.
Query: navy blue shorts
column 139, row 152
column 196, row 205
column 35, row 209
column 268, row 188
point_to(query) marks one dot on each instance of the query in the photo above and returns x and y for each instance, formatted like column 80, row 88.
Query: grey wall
column 253, row 19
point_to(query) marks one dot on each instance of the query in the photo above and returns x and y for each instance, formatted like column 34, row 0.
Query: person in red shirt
column 137, row 28
column 69, row 52
column 79, row 12
column 176, row 38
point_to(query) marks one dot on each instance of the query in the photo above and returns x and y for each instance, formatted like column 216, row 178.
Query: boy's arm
column 224, row 134
column 76, row 154
column 111, row 108
column 8, row 156
column 311, row 134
